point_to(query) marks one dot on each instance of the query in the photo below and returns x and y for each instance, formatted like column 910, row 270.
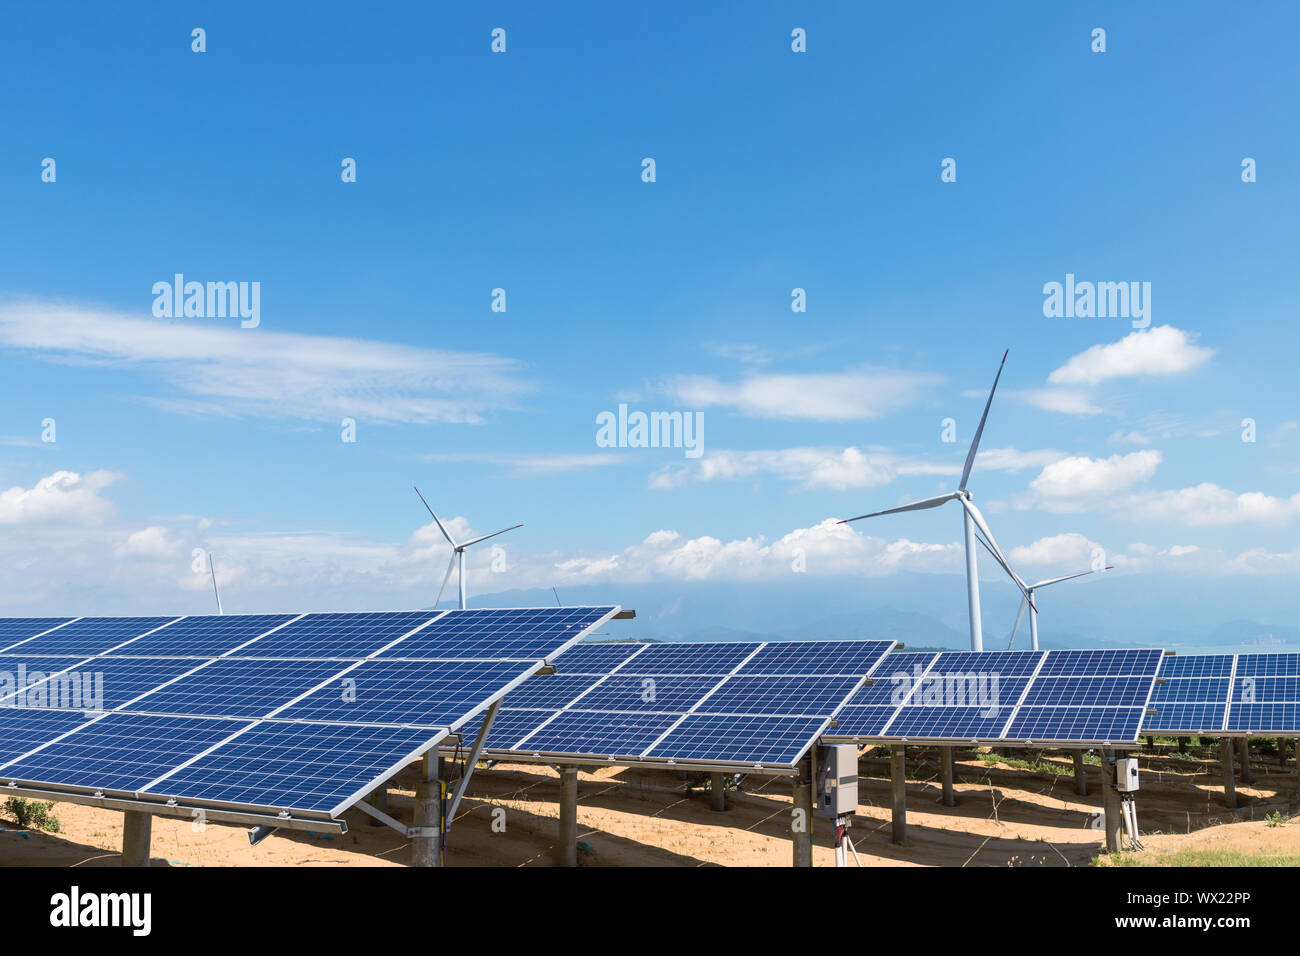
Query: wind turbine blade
column 914, row 506
column 451, row 541
column 484, row 537
column 1015, row 627
column 975, row 443
column 1069, row 577
column 445, row 578
column 991, row 545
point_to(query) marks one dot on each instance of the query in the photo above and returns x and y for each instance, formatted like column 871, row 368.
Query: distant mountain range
column 930, row 611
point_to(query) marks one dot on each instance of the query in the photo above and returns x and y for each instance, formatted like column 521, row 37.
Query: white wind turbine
column 1029, row 590
column 972, row 520
column 458, row 553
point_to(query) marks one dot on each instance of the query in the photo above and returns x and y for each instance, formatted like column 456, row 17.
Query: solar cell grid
column 781, row 696
column 595, row 658
column 121, row 752
column 702, row 658
column 727, row 739
column 1002, row 663
column 298, row 766
column 1098, row 724
column 950, row 722
column 427, row 693
column 1204, row 718
column 1265, row 718
column 237, row 688
column 1196, row 665
column 508, row 728
column 1089, row 691
column 339, row 635
column 22, row 729
column 103, row 683
column 203, row 636
column 1265, row 689
column 844, row 658
column 1101, row 663
column 14, row 629
column 523, row 633
column 89, row 636
column 664, row 693
column 1191, row 690
column 598, row 733
column 1268, row 665
column 862, row 721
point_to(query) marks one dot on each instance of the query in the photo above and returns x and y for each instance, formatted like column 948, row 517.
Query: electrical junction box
column 1126, row 774
column 837, row 780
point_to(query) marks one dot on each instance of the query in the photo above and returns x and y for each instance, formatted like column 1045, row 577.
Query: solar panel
column 203, row 636
column 1197, row 665
column 764, row 691
column 1268, row 665
column 1264, row 718
column 516, row 633
column 89, row 636
column 344, row 635
column 16, row 629
column 1199, row 690
column 729, row 739
column 1240, row 694
column 427, row 693
column 304, row 767
column 237, row 688
column 262, row 732
column 1093, row 696
column 121, row 752
column 1188, row 719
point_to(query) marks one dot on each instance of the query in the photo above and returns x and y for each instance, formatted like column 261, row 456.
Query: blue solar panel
column 344, row 635
column 1185, row 718
column 595, row 658
column 1192, row 690
column 509, row 727
column 884, row 692
column 550, row 692
column 205, row 636
column 23, row 730
column 942, row 688
column 1265, row 690
column 598, row 734
column 952, row 723
column 845, row 658
column 304, row 767
column 121, row 752
column 1271, row 718
column 690, row 657
column 89, row 636
column 516, row 633
column 862, row 721
column 1268, row 665
column 1076, row 724
column 664, row 693
column 1101, row 663
column 749, row 740
column 781, row 696
column 237, row 688
column 14, row 629
column 1089, row 691
column 1197, row 665
column 428, row 693
column 1003, row 663
column 21, row 677
column 103, row 683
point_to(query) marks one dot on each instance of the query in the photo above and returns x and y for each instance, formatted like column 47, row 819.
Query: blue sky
column 522, row 170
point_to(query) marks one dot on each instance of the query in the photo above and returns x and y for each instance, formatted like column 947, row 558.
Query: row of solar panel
column 735, row 702
column 523, row 634
column 1227, row 693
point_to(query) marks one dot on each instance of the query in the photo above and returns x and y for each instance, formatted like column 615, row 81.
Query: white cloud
column 1210, row 504
column 152, row 542
column 836, row 469
column 1068, row 401
column 1163, row 350
column 855, row 395
column 225, row 370
column 64, row 496
column 1076, row 482
column 1070, row 551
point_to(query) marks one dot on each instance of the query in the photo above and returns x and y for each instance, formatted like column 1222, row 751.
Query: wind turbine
column 1029, row 590
column 458, row 553
column 972, row 521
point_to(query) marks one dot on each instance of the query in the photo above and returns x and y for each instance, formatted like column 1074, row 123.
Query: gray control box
column 837, row 780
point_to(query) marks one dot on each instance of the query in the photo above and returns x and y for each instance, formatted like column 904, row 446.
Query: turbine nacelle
column 457, row 552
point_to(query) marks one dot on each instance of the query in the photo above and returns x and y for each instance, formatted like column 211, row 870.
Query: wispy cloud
column 525, row 464
column 212, row 369
column 854, row 395
column 1163, row 350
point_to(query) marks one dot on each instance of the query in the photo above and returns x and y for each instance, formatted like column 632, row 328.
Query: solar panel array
column 1094, row 696
column 300, row 713
column 1232, row 694
column 751, row 704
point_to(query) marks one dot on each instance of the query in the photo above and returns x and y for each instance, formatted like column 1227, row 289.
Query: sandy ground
column 1004, row 817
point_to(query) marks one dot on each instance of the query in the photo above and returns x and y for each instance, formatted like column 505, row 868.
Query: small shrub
column 32, row 814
